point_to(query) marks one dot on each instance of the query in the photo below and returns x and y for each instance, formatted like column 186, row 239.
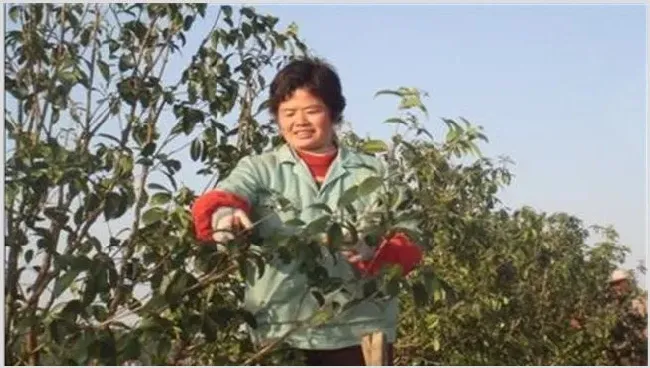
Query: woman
column 307, row 102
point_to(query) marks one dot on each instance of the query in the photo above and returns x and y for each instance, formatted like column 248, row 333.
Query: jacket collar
column 345, row 157
column 344, row 160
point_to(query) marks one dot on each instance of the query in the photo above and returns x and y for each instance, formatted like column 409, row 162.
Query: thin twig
column 91, row 77
column 269, row 348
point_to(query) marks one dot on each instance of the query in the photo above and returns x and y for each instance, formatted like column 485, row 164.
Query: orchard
column 105, row 145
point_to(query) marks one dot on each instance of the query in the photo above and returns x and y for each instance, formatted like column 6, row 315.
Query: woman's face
column 305, row 122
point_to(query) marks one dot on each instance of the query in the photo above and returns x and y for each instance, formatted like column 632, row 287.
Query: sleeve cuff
column 207, row 204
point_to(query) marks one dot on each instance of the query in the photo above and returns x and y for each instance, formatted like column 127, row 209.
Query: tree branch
column 129, row 123
column 91, row 77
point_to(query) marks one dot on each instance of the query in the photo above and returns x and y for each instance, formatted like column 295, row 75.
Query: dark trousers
column 346, row 356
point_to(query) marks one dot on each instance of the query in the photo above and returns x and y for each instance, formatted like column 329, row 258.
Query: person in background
column 311, row 167
column 630, row 335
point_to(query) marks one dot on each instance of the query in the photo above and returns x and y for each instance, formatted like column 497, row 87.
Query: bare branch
column 91, row 77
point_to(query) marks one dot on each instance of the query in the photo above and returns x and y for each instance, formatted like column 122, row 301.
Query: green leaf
column 321, row 316
column 172, row 180
column 153, row 215
column 25, row 323
column 420, row 295
column 99, row 312
column 227, row 10
column 349, row 196
column 155, row 186
column 369, row 288
column 114, row 106
column 248, row 317
column 125, row 165
column 167, row 280
column 177, row 287
column 20, row 92
column 246, row 30
column 172, row 165
column 215, row 39
column 14, row 13
column 201, row 9
column 431, row 283
column 452, row 135
column 411, row 101
column 295, row 222
column 57, row 330
column 243, row 270
column 80, row 263
column 68, row 77
column 72, row 309
column 389, row 92
column 395, row 121
column 149, row 149
column 143, row 199
column 104, row 69
column 161, row 198
column 247, row 12
column 29, row 254
column 271, row 21
column 424, row 131
column 154, row 304
column 168, row 97
column 90, row 291
column 257, row 261
column 126, row 62
column 190, row 118
column 74, row 21
column 131, row 348
column 62, row 283
column 144, row 161
column 83, row 78
column 195, row 149
column 113, row 205
column 335, row 235
column 474, row 149
column 84, row 39
column 436, row 344
column 322, row 207
column 187, row 24
column 319, row 297
column 163, row 347
column 369, row 185
column 209, row 329
column 374, row 146
column 393, row 286
column 318, row 226
column 113, row 46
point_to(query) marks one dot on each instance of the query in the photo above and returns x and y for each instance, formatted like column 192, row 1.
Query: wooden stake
column 373, row 347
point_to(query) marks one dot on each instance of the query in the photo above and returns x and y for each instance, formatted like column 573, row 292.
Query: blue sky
column 559, row 89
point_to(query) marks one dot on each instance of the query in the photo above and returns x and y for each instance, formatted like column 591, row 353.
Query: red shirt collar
column 318, row 164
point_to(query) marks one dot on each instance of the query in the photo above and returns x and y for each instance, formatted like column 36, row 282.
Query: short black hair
column 313, row 74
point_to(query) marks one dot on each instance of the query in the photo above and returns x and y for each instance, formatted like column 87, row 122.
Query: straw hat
column 619, row 275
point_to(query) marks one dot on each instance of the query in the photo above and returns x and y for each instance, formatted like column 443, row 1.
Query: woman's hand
column 361, row 252
column 361, row 256
column 352, row 256
column 397, row 250
column 226, row 221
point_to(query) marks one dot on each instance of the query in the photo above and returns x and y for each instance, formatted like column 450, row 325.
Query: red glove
column 397, row 250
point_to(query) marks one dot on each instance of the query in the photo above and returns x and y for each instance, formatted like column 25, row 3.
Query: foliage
column 94, row 111
column 505, row 284
column 92, row 150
